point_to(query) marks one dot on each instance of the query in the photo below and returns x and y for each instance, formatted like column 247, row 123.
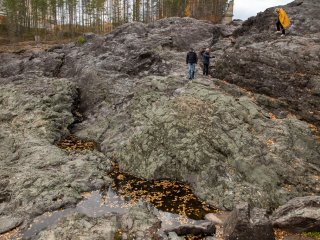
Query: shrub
column 81, row 40
column 315, row 235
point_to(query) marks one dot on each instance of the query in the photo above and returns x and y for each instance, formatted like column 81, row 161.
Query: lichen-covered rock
column 138, row 224
column 79, row 226
column 37, row 176
column 300, row 214
column 8, row 223
column 103, row 63
column 132, row 90
column 228, row 148
column 284, row 68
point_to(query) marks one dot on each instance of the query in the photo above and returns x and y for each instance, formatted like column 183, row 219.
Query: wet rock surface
column 139, row 223
column 248, row 138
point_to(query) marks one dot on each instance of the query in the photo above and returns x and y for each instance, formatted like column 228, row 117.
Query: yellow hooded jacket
column 283, row 18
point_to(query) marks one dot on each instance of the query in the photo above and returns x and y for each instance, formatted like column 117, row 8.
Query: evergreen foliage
column 27, row 18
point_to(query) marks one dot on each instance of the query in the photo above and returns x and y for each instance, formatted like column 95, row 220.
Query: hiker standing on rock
column 206, row 61
column 191, row 60
column 283, row 21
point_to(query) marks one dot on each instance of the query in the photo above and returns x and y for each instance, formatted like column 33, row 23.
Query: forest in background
column 59, row 19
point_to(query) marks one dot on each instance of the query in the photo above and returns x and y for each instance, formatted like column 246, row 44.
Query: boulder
column 8, row 223
column 202, row 229
column 174, row 236
column 140, row 223
column 213, row 218
column 246, row 223
column 300, row 214
column 228, row 148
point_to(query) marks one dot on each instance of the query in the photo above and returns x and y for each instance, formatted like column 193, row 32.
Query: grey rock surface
column 174, row 236
column 7, row 223
column 246, row 223
column 213, row 218
column 131, row 84
column 143, row 226
column 80, row 226
column 228, row 148
column 205, row 228
column 299, row 215
column 283, row 68
column 37, row 176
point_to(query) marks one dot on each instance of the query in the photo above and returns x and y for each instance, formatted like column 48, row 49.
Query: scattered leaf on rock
column 170, row 196
column 72, row 143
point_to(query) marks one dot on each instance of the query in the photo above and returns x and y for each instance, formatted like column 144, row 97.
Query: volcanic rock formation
column 249, row 134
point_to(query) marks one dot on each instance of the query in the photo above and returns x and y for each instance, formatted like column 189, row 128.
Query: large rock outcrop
column 228, row 148
column 37, row 176
column 103, row 67
column 132, row 90
column 286, row 68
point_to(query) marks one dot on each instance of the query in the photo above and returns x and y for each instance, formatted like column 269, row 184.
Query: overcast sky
column 243, row 9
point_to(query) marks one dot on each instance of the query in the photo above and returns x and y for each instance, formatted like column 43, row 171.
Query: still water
column 243, row 9
column 97, row 204
column 171, row 201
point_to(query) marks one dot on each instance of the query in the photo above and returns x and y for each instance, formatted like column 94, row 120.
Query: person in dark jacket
column 206, row 61
column 200, row 57
column 191, row 60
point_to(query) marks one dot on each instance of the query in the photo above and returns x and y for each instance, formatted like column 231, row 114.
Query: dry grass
column 31, row 46
column 285, row 235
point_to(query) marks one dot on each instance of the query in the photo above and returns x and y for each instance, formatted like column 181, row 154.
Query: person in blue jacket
column 206, row 61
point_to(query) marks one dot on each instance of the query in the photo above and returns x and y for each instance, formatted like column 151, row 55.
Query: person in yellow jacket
column 283, row 20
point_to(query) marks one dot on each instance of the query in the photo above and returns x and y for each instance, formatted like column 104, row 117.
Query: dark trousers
column 205, row 68
column 279, row 27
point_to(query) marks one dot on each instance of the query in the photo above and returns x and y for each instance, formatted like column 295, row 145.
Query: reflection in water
column 97, row 205
column 94, row 206
column 174, row 202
